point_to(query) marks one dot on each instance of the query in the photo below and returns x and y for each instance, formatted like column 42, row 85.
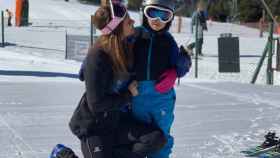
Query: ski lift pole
column 196, row 46
column 256, row 73
column 2, row 26
column 268, row 49
column 269, row 70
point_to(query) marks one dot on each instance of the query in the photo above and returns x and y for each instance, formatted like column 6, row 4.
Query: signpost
column 2, row 29
column 278, row 55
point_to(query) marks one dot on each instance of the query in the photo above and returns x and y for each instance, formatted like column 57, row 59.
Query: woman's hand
column 133, row 88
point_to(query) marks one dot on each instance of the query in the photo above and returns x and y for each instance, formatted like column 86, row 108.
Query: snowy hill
column 39, row 90
column 52, row 19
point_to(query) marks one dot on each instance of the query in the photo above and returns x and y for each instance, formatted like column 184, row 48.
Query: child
column 157, row 64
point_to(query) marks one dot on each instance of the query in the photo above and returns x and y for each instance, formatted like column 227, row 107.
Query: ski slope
column 211, row 119
column 216, row 115
column 52, row 19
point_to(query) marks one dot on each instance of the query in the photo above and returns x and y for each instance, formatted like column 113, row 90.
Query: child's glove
column 183, row 63
column 187, row 52
column 166, row 81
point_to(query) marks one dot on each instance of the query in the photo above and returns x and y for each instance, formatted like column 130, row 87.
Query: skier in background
column 199, row 18
column 10, row 16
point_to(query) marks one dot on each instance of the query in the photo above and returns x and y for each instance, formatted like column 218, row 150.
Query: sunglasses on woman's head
column 117, row 9
column 160, row 13
column 118, row 12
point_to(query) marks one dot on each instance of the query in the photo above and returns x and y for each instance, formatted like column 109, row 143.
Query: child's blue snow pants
column 151, row 106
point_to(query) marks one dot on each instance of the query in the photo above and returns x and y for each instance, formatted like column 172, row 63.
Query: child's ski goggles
column 118, row 12
column 155, row 12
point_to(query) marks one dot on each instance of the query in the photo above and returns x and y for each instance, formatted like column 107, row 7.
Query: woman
column 103, row 129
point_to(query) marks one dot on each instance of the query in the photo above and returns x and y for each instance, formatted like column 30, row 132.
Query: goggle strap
column 159, row 8
column 111, row 25
column 114, row 22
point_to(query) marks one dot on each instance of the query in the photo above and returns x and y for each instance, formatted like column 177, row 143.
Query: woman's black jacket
column 98, row 109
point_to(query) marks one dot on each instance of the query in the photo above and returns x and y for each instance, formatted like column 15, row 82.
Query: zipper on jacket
column 149, row 59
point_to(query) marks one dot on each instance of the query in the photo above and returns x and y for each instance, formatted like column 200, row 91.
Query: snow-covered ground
column 19, row 62
column 212, row 119
column 39, row 90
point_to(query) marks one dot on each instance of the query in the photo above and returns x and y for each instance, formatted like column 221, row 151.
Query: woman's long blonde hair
column 113, row 44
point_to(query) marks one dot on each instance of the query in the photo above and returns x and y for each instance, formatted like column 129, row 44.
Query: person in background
column 10, row 16
column 199, row 18
column 261, row 26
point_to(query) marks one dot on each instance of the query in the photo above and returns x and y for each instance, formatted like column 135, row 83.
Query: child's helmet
column 170, row 4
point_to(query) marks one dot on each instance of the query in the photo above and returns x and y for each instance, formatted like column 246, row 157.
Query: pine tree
column 251, row 10
column 134, row 4
column 275, row 6
column 220, row 10
column 91, row 1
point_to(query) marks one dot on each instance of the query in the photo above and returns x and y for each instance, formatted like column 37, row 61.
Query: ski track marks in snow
column 255, row 100
column 218, row 143
column 18, row 142
column 229, row 145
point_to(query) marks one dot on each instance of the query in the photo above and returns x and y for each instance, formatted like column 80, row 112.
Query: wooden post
column 262, row 23
column 196, row 47
column 278, row 55
column 2, row 30
column 66, row 44
column 179, row 24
